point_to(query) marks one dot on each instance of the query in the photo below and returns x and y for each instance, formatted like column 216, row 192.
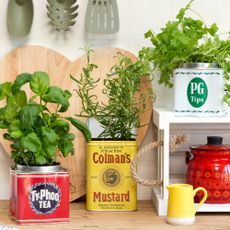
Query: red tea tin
column 39, row 194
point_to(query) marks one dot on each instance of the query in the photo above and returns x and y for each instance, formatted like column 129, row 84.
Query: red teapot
column 209, row 167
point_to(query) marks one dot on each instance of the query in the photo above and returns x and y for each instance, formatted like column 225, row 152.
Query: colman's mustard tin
column 110, row 185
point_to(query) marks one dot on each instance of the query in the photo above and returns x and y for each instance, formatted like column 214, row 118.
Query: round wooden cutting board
column 35, row 58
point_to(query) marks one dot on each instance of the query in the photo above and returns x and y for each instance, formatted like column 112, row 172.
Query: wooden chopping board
column 37, row 58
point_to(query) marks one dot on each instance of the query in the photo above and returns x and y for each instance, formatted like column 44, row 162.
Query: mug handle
column 204, row 197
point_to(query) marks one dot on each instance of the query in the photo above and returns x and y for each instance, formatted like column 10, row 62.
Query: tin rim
column 48, row 168
column 112, row 142
column 201, row 65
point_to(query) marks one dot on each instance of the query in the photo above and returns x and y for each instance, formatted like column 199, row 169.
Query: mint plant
column 186, row 40
column 35, row 131
column 120, row 115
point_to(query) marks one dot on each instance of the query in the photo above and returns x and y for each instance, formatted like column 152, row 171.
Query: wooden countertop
column 143, row 219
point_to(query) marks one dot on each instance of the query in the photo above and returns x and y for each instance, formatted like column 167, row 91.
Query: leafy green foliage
column 121, row 114
column 81, row 126
column 37, row 133
column 5, row 90
column 57, row 95
column 186, row 40
column 39, row 83
column 21, row 80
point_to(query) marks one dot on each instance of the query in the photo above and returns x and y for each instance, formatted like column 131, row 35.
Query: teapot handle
column 204, row 197
column 188, row 157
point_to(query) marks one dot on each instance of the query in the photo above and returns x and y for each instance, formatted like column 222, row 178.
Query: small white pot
column 198, row 90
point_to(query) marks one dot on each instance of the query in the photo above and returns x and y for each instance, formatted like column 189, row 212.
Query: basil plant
column 35, row 131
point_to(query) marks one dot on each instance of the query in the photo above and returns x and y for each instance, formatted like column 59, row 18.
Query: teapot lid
column 214, row 143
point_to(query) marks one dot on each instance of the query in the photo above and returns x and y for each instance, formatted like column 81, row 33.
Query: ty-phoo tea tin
column 110, row 186
column 198, row 90
column 39, row 194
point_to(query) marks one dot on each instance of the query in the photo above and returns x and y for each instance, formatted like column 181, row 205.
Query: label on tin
column 44, row 198
column 198, row 92
column 109, row 182
column 39, row 197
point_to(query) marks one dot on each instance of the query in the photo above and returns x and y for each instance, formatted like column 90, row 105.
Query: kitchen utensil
column 33, row 58
column 181, row 209
column 62, row 13
column 209, row 167
column 102, row 17
column 20, row 17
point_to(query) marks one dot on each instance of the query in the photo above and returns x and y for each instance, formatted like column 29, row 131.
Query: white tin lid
column 201, row 65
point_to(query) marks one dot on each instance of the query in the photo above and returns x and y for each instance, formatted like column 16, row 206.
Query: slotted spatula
column 102, row 17
column 62, row 13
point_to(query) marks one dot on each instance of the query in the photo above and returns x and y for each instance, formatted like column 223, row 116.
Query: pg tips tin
column 199, row 90
column 110, row 186
column 39, row 194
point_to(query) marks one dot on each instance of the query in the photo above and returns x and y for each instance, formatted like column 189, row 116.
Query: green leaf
column 148, row 34
column 61, row 127
column 28, row 115
column 58, row 96
column 67, row 96
column 49, row 135
column 213, row 29
column 20, row 81
column 11, row 109
column 3, row 125
column 183, row 10
column 21, row 98
column 69, row 136
column 60, row 123
column 2, row 113
column 66, row 147
column 39, row 83
column 82, row 127
column 51, row 150
column 226, row 66
column 40, row 160
column 5, row 90
column 31, row 142
column 16, row 134
column 16, row 145
column 15, row 129
column 15, row 125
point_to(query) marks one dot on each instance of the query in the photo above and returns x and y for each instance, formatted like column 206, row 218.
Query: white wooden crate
column 171, row 168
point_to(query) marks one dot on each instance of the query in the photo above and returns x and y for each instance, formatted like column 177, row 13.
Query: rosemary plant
column 120, row 115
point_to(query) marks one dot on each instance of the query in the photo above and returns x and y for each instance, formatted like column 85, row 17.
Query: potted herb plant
column 109, row 182
column 191, row 56
column 35, row 124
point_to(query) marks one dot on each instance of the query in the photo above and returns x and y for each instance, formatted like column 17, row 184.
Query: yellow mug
column 181, row 208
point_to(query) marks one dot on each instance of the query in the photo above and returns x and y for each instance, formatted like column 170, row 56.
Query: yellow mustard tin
column 110, row 185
